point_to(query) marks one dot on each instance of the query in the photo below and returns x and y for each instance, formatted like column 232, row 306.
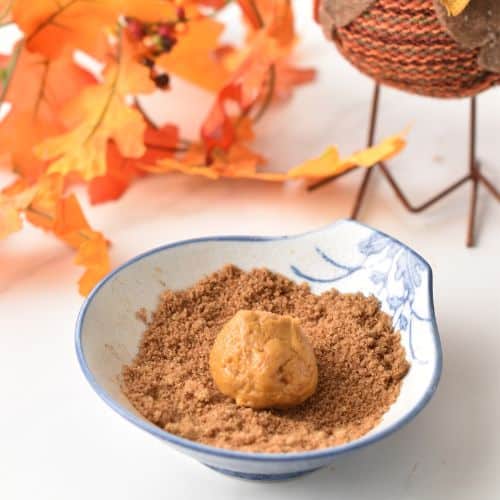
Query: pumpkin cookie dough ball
column 263, row 360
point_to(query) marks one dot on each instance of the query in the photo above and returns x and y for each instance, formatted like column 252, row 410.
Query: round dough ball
column 263, row 360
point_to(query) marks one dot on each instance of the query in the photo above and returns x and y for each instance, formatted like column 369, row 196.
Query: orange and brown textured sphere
column 263, row 360
column 413, row 45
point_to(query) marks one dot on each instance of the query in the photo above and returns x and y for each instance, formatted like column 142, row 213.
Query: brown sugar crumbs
column 361, row 364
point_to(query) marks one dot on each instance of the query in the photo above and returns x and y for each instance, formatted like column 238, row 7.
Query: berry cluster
column 156, row 39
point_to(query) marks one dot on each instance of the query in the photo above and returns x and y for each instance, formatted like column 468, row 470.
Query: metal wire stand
column 474, row 175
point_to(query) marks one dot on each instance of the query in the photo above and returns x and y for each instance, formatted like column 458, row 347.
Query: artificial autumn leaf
column 36, row 95
column 12, row 202
column 98, row 115
column 131, row 76
column 84, row 130
column 329, row 163
column 70, row 224
column 52, row 26
column 160, row 142
column 252, row 69
column 251, row 13
column 217, row 129
column 193, row 56
column 35, row 85
column 382, row 151
column 93, row 255
column 322, row 166
column 104, row 117
column 287, row 77
column 219, row 162
column 43, row 208
column 119, row 174
column 146, row 10
column 455, row 7
column 241, row 162
column 19, row 133
column 64, row 218
column 279, row 20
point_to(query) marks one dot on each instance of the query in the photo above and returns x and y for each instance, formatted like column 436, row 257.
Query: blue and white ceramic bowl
column 346, row 255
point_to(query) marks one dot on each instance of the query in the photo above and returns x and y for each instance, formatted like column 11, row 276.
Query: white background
column 59, row 441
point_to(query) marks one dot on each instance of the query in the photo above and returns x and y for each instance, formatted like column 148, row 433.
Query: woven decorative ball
column 411, row 44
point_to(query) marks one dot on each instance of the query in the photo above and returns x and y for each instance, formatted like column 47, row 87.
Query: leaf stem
column 41, row 92
column 167, row 149
column 114, row 85
column 50, row 19
column 50, row 218
column 269, row 94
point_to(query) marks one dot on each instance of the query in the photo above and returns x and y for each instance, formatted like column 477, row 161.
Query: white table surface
column 59, row 441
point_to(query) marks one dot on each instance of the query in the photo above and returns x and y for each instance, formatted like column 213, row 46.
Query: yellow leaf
column 322, row 166
column 104, row 116
column 329, row 163
column 455, row 7
column 382, row 151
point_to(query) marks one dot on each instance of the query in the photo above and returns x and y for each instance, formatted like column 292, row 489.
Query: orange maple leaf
column 93, row 255
column 35, row 94
column 119, row 174
column 160, row 143
column 98, row 115
column 52, row 26
column 277, row 16
column 244, row 88
column 63, row 216
column 71, row 226
column 287, row 77
column 193, row 57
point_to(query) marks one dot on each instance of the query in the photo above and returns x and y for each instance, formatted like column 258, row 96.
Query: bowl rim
column 256, row 456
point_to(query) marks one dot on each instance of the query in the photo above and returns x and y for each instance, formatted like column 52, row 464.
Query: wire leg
column 420, row 208
column 473, row 173
column 489, row 186
column 360, row 196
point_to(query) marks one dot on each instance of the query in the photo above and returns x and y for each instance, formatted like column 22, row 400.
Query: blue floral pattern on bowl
column 394, row 270
column 346, row 255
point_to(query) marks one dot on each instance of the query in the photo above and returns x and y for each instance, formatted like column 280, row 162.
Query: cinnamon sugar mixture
column 360, row 361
